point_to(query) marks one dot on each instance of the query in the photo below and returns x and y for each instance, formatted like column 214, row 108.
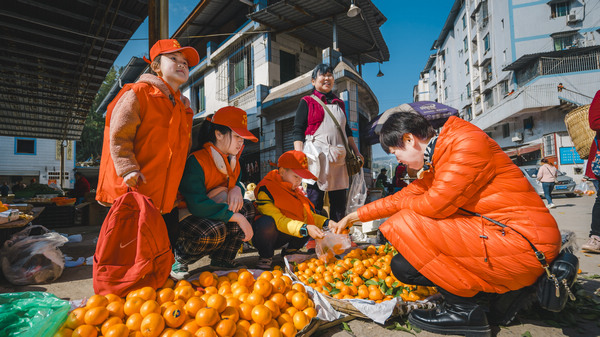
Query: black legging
column 172, row 222
column 267, row 237
column 337, row 201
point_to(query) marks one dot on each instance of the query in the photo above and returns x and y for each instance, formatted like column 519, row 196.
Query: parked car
column 565, row 185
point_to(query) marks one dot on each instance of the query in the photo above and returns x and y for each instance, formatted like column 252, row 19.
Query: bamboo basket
column 579, row 130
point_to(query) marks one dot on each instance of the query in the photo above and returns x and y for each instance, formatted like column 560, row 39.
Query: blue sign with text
column 568, row 155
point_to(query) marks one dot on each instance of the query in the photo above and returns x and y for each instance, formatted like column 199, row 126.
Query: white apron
column 326, row 152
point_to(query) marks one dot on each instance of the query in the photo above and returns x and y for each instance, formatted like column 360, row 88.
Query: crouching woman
column 467, row 257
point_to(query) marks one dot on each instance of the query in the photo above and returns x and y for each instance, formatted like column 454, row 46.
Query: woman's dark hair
column 545, row 160
column 322, row 68
column 401, row 123
column 205, row 132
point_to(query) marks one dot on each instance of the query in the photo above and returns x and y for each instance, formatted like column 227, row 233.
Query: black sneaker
column 220, row 264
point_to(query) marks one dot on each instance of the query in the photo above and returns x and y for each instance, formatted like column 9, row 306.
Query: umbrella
column 436, row 113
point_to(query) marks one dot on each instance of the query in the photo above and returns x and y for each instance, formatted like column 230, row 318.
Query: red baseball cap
column 235, row 119
column 170, row 46
column 297, row 162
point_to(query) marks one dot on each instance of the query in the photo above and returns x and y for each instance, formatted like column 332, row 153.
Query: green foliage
column 90, row 144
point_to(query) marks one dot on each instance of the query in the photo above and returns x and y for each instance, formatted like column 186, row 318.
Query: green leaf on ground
column 526, row 334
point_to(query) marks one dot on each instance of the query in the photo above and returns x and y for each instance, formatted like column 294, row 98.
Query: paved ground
column 572, row 214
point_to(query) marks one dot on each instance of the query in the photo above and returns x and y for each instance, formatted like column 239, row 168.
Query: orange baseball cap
column 297, row 162
column 170, row 46
column 236, row 119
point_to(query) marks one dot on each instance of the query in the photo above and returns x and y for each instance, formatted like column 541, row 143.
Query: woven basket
column 579, row 129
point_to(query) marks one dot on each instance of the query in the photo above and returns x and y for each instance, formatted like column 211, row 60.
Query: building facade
column 515, row 68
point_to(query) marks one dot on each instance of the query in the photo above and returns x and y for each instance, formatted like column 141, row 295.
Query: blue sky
column 410, row 30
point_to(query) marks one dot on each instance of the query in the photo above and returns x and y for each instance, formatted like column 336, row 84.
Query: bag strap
column 344, row 138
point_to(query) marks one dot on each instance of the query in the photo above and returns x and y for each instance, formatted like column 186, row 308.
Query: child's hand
column 315, row 232
column 235, row 199
column 244, row 225
column 131, row 179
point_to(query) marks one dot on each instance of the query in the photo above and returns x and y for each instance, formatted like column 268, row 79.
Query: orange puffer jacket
column 461, row 253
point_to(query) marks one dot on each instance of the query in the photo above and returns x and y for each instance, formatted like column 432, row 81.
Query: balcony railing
column 568, row 64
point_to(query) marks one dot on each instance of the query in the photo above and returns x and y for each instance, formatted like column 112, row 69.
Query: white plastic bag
column 331, row 244
column 584, row 188
column 314, row 157
column 357, row 193
column 33, row 259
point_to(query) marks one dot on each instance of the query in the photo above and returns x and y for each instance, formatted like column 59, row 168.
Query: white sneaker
column 593, row 245
column 551, row 206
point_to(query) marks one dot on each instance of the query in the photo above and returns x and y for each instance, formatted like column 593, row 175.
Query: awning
column 524, row 150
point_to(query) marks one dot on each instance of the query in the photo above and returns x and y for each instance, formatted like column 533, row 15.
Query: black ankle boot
column 457, row 319
column 504, row 307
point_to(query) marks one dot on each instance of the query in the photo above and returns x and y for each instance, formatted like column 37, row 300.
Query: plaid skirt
column 199, row 237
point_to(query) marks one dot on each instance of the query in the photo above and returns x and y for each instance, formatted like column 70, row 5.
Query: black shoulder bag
column 554, row 287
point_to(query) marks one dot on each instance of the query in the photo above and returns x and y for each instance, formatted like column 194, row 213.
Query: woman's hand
column 244, row 225
column 315, row 232
column 131, row 179
column 235, row 199
column 346, row 222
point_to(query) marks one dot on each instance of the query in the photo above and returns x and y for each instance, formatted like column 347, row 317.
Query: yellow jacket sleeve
column 265, row 206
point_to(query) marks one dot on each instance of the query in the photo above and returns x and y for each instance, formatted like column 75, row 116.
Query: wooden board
column 22, row 222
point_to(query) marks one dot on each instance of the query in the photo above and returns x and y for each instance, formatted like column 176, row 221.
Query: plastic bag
column 584, row 188
column 29, row 314
column 357, row 193
column 331, row 244
column 33, row 259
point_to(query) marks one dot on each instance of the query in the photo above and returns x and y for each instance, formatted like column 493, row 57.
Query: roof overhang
column 132, row 71
column 359, row 37
column 55, row 55
column 448, row 25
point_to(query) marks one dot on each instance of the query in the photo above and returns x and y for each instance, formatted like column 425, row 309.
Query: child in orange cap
column 288, row 217
column 147, row 133
column 220, row 217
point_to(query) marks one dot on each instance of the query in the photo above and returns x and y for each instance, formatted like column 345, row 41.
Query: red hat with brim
column 236, row 119
column 297, row 162
column 171, row 46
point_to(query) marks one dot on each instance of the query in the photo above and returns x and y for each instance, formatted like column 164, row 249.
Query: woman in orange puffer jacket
column 461, row 254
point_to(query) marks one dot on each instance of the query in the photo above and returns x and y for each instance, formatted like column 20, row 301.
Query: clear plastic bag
column 331, row 244
column 584, row 188
column 29, row 314
column 33, row 259
column 357, row 193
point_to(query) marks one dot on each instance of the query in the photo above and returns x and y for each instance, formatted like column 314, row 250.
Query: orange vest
column 161, row 145
column 292, row 203
column 217, row 171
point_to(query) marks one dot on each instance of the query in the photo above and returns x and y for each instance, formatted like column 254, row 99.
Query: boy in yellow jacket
column 288, row 217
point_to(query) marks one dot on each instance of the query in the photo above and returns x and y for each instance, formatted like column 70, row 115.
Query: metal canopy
column 359, row 37
column 54, row 57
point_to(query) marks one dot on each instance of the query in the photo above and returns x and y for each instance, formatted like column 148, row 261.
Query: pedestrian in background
column 593, row 244
column 147, row 133
column 81, row 188
column 4, row 189
column 547, row 174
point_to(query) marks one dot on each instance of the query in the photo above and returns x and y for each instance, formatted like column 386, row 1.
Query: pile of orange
column 235, row 305
column 362, row 273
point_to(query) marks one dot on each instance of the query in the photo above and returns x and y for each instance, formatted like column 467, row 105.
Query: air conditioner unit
column 572, row 18
column 518, row 137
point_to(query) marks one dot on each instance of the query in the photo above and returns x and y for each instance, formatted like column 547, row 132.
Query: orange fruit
column 284, row 318
column 300, row 300
column 278, row 285
column 261, row 314
column 300, row 320
column 233, row 302
column 207, row 317
column 272, row 323
column 147, row 293
column 225, row 328
column 375, row 294
column 135, row 334
column 110, row 322
column 184, row 293
column 288, row 330
column 165, row 295
column 310, row 312
column 190, row 326
column 245, row 278
column 134, row 321
column 168, row 332
column 117, row 330
column 152, row 325
column 232, row 275
column 272, row 332
column 149, row 307
column 193, row 305
column 263, row 287
column 217, row 301
column 64, row 332
column 230, row 313
column 254, row 299
column 96, row 301
column 96, row 315
column 291, row 311
column 164, row 306
column 179, row 302
column 289, row 294
column 76, row 318
column 133, row 305
column 182, row 333
column 256, row 330
column 211, row 290
column 169, row 283
column 266, row 275
column 279, row 299
column 299, row 287
column 174, row 316
column 116, row 309
column 246, row 311
column 206, row 331
column 273, row 307
column 85, row 330
column 182, row 283
column 243, row 325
